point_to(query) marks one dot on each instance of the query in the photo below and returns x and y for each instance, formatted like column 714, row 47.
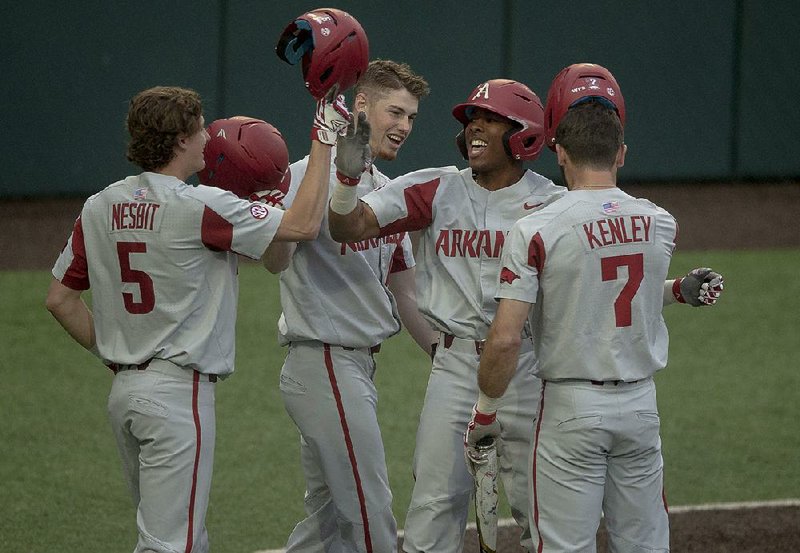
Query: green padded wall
column 710, row 86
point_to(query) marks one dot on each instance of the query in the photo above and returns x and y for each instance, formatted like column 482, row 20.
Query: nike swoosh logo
column 526, row 205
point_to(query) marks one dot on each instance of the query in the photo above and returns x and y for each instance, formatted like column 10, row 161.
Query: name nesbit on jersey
column 133, row 215
column 470, row 243
column 617, row 230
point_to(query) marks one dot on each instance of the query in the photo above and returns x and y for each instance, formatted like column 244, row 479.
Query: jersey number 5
column 146, row 291
column 635, row 264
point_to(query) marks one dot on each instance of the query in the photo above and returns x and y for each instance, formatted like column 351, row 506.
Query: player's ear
column 180, row 142
column 360, row 103
column 621, row 155
column 561, row 154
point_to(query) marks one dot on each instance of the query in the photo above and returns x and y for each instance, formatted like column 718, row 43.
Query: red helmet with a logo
column 333, row 48
column 248, row 157
column 575, row 84
column 512, row 100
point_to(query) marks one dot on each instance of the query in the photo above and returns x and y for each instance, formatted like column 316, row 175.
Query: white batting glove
column 700, row 287
column 481, row 425
column 330, row 119
column 353, row 154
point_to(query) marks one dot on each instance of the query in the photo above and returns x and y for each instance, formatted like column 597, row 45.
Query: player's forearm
column 70, row 311
column 498, row 362
column 303, row 219
column 352, row 226
column 402, row 286
column 278, row 255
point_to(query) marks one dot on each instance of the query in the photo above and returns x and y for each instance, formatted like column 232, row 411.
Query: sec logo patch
column 258, row 211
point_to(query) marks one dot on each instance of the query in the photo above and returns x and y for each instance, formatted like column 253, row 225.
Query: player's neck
column 590, row 179
column 499, row 178
column 175, row 169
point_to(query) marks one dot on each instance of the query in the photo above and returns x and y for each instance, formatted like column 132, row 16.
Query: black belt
column 612, row 382
column 373, row 349
column 118, row 368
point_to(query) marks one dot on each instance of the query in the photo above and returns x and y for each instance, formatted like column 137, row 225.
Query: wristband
column 349, row 181
column 344, row 198
column 676, row 291
column 323, row 136
column 487, row 405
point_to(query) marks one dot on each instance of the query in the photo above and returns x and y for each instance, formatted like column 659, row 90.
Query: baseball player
column 340, row 302
column 464, row 216
column 592, row 264
column 161, row 259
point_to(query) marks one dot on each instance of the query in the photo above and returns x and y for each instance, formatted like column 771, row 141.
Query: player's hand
column 480, row 426
column 331, row 118
column 701, row 286
column 353, row 154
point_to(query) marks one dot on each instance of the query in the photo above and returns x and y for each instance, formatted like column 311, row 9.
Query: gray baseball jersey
column 465, row 228
column 336, row 307
column 160, row 256
column 618, row 248
column 593, row 263
column 336, row 293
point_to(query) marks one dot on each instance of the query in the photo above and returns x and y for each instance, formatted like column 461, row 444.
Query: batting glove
column 353, row 154
column 700, row 287
column 480, row 426
column 330, row 119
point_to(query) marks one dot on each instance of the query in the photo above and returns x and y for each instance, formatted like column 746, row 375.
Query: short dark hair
column 156, row 118
column 385, row 75
column 591, row 133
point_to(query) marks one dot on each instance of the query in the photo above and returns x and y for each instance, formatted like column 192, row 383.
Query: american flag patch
column 611, row 207
column 140, row 194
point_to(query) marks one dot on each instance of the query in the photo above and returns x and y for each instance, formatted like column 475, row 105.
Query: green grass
column 728, row 402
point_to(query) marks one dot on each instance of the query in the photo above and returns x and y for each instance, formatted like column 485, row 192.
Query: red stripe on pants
column 198, row 439
column 535, row 450
column 350, row 452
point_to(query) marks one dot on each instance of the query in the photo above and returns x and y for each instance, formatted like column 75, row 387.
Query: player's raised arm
column 303, row 219
column 350, row 219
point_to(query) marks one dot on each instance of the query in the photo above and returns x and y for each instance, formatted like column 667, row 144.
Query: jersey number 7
column 146, row 290
column 610, row 269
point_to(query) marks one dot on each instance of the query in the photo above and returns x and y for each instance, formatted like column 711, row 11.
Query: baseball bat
column 485, row 461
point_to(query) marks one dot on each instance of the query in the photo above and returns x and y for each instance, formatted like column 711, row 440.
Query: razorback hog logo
column 507, row 275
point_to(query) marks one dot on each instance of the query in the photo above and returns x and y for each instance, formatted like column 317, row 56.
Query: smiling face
column 484, row 138
column 391, row 116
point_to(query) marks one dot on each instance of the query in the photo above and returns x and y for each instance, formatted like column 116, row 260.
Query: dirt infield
column 767, row 529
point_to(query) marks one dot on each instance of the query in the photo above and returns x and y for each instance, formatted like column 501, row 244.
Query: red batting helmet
column 333, row 48
column 575, row 84
column 246, row 156
column 514, row 101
